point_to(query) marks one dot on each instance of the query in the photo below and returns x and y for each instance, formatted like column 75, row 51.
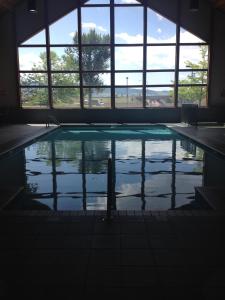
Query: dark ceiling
column 6, row 5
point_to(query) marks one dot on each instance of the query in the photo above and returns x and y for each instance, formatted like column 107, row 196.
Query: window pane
column 33, row 79
column 96, row 79
column 188, row 37
column 95, row 25
column 160, row 78
column 125, row 33
column 161, row 57
column 64, row 31
column 66, row 97
column 193, row 77
column 38, row 38
column 67, row 79
column 97, row 2
column 160, row 97
column 126, row 2
column 124, row 58
column 64, row 59
column 97, row 98
column 34, row 97
column 194, row 57
column 193, row 95
column 32, row 59
column 95, row 58
column 128, row 78
column 160, row 29
column 129, row 97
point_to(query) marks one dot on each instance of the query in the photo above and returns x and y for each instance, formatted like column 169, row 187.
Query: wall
column 12, row 171
column 8, row 73
column 153, row 115
column 214, row 170
column 28, row 24
column 218, row 61
column 99, row 116
column 196, row 22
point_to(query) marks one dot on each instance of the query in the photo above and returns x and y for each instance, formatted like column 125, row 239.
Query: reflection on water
column 68, row 171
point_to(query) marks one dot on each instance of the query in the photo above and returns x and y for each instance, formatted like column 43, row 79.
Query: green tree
column 93, row 58
column 191, row 93
column 39, row 96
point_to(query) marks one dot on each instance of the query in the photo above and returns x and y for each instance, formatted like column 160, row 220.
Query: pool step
column 214, row 195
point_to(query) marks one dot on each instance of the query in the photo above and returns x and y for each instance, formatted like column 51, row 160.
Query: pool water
column 153, row 169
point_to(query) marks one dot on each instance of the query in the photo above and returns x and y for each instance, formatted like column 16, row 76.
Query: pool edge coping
column 198, row 141
column 27, row 140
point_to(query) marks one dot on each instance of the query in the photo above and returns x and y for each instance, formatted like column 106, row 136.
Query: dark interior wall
column 196, row 22
column 8, row 73
column 12, row 171
column 28, row 23
column 217, row 91
column 169, row 115
column 153, row 115
column 214, row 170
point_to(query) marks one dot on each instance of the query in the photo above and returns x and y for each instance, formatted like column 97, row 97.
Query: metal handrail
column 52, row 119
column 110, row 190
column 108, row 217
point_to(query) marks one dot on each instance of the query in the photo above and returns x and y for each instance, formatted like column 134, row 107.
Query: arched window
column 113, row 54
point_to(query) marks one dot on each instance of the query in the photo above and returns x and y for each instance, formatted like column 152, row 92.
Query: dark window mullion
column 193, row 44
column 112, row 43
column 128, row 5
column 193, row 85
column 33, row 72
column 160, row 85
column 144, row 53
column 48, row 55
column 128, row 45
column 193, row 70
column 41, row 86
column 161, row 44
column 177, row 58
column 80, row 57
column 160, row 70
column 33, row 46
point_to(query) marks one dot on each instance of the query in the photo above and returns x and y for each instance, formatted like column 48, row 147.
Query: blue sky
column 159, row 30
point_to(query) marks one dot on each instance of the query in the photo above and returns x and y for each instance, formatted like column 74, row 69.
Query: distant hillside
column 131, row 92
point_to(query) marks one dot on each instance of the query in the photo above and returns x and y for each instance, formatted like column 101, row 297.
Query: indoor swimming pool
column 153, row 168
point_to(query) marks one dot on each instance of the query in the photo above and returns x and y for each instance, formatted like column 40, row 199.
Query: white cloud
column 129, row 39
column 72, row 34
column 93, row 26
column 129, row 58
column 159, row 30
column 160, row 57
column 27, row 60
column 90, row 25
column 187, row 37
column 129, row 1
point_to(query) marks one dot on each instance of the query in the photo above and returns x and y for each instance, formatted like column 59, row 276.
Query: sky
column 159, row 30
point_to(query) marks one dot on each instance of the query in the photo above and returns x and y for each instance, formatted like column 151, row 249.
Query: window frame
column 112, row 45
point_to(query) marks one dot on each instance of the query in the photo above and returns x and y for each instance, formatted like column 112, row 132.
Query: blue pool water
column 153, row 169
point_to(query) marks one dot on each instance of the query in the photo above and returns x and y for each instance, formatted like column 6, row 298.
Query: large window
column 113, row 54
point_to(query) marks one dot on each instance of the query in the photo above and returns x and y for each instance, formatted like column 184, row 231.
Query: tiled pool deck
column 152, row 255
column 161, row 256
